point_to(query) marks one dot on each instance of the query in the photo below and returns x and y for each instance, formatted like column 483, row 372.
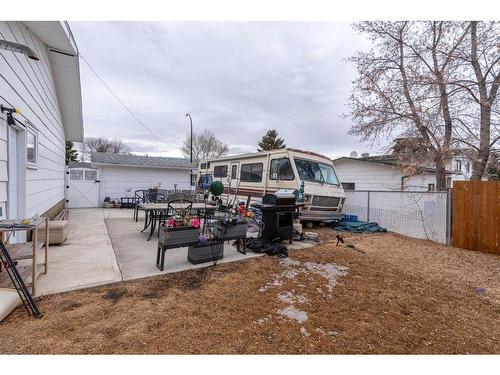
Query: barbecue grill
column 278, row 211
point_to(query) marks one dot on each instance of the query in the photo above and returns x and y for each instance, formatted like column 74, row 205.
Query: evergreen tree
column 271, row 141
column 71, row 153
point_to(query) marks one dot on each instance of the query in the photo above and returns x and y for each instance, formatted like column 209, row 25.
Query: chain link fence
column 418, row 214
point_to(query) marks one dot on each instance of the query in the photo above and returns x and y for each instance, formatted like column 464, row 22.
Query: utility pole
column 191, row 122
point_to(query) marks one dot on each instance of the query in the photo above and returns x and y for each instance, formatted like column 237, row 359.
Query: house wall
column 117, row 181
column 29, row 86
column 462, row 173
column 375, row 176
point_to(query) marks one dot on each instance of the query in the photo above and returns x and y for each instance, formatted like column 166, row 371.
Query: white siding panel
column 115, row 181
column 3, row 191
column 29, row 86
column 368, row 175
column 376, row 176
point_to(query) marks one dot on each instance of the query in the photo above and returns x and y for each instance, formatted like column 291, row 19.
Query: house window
column 349, row 185
column 467, row 167
column 251, row 172
column 448, row 182
column 281, row 169
column 90, row 175
column 234, row 170
column 76, row 175
column 431, row 187
column 193, row 179
column 203, row 166
column 458, row 165
column 220, row 171
column 31, row 147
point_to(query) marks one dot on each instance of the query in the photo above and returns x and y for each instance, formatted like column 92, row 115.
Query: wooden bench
column 58, row 228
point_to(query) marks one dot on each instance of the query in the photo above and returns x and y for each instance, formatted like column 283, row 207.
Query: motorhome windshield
column 313, row 171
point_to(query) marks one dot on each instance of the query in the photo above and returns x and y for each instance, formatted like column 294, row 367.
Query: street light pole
column 191, row 122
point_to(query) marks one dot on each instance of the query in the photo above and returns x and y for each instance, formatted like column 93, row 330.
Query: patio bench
column 58, row 228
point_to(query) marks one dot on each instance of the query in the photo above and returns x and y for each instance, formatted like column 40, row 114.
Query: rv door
column 233, row 174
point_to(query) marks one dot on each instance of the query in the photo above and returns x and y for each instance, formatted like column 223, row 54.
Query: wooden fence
column 476, row 215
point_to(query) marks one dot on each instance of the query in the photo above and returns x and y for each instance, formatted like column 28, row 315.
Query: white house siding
column 122, row 181
column 376, row 176
column 29, row 86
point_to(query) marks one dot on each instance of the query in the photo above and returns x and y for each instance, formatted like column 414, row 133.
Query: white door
column 16, row 179
column 13, row 171
column 83, row 188
column 16, row 173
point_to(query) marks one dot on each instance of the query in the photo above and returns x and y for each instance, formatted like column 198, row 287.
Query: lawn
column 400, row 296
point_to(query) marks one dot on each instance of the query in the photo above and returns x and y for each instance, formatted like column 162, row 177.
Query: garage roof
column 101, row 158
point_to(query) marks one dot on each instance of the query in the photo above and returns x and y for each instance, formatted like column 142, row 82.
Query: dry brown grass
column 403, row 296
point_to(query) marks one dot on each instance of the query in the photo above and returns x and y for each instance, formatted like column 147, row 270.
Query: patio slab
column 85, row 259
column 137, row 257
column 106, row 246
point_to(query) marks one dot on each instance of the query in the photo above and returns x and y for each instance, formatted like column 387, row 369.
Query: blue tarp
column 357, row 227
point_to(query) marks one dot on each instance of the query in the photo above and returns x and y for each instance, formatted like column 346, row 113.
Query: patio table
column 150, row 210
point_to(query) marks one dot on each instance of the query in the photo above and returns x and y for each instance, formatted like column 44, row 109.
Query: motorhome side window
column 281, row 169
column 251, row 172
column 203, row 166
column 220, row 171
column 234, row 170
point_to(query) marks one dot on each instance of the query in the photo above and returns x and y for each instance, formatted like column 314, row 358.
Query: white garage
column 121, row 175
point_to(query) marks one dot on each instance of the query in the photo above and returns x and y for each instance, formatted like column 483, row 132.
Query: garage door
column 83, row 188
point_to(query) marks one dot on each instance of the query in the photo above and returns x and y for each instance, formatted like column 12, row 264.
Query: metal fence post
column 448, row 217
column 368, row 208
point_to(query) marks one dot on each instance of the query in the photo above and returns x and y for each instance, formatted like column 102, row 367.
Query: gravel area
column 388, row 294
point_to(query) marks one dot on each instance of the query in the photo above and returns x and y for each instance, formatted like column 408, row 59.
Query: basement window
column 31, row 147
column 349, row 185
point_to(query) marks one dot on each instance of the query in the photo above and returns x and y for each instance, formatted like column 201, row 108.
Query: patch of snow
column 264, row 319
column 329, row 271
column 304, row 332
column 293, row 313
column 291, row 298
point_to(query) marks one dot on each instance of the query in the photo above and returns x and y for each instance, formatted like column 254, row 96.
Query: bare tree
column 402, row 89
column 103, row 144
column 433, row 83
column 205, row 145
column 478, row 83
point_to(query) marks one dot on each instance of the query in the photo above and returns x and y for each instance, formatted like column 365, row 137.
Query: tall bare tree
column 205, row 145
column 412, row 85
column 402, row 89
column 103, row 144
column 478, row 83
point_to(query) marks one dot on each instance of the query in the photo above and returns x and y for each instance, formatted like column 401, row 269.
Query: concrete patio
column 106, row 246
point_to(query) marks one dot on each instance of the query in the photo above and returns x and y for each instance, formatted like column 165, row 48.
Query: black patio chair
column 139, row 197
column 172, row 211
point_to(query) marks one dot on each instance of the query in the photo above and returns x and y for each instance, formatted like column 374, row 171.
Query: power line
column 119, row 100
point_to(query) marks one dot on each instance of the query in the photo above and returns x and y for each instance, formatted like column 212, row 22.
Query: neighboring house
column 385, row 173
column 116, row 176
column 48, row 96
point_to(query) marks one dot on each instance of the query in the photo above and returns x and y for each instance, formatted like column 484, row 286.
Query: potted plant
column 179, row 232
column 206, row 251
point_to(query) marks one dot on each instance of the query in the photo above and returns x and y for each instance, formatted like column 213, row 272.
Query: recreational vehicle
column 259, row 173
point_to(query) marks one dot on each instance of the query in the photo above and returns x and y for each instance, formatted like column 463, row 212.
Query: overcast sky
column 238, row 79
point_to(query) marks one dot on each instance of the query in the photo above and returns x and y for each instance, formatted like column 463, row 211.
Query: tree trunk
column 440, row 173
column 480, row 163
